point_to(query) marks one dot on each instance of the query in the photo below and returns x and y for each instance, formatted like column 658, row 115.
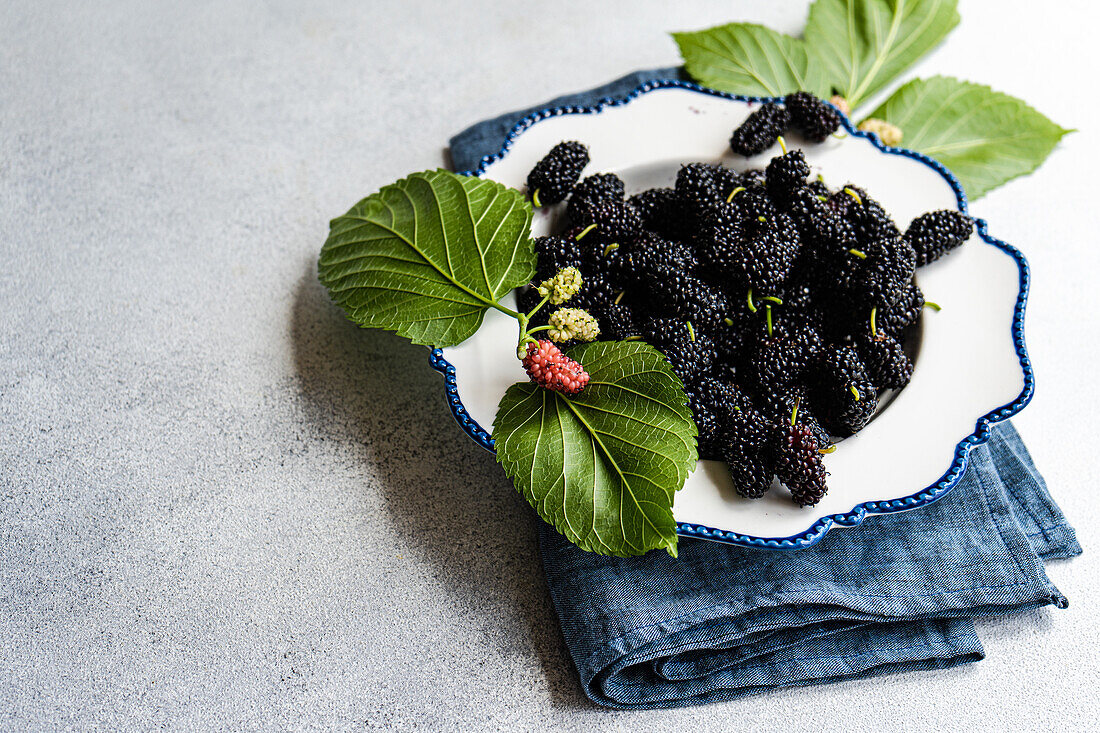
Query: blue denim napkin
column 899, row 593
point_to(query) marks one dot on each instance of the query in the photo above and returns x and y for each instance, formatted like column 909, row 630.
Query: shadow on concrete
column 446, row 497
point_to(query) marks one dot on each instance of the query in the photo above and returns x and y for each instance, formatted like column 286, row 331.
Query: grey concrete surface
column 224, row 507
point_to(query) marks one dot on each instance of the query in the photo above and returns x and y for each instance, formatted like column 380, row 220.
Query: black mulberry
column 594, row 190
column 785, row 174
column 936, row 233
column 687, row 298
column 760, row 131
column 648, row 254
column 617, row 322
column 751, row 474
column 691, row 357
column 876, row 275
column 814, row 118
column 554, row 176
column 553, row 254
column 842, row 392
column 902, row 314
column 886, row 362
column 867, row 217
column 616, row 220
column 799, row 466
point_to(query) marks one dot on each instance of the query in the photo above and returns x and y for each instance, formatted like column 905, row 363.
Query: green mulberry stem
column 769, row 309
column 734, row 192
column 773, row 299
column 858, row 253
column 751, row 306
column 508, row 311
column 794, row 412
column 584, row 231
column 934, row 306
column 535, row 199
column 691, row 330
column 848, row 190
column 610, row 248
column 854, row 391
column 782, row 144
column 874, row 331
column 830, row 449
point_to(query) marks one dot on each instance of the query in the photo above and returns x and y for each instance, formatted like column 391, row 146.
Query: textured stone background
column 224, row 506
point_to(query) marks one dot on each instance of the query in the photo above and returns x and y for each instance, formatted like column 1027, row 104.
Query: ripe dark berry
column 601, row 255
column 553, row 254
column 617, row 322
column 686, row 297
column 616, row 221
column 596, row 291
column 553, row 177
column 548, row 367
column 648, row 253
column 757, row 254
column 724, row 397
column 902, row 314
column 786, row 173
column 708, row 424
column 753, row 178
column 660, row 211
column 799, row 466
column 824, row 232
column 747, row 430
column 690, row 358
column 661, row 333
column 867, row 217
column 842, row 392
column 936, row 233
column 760, row 131
column 731, row 347
column 782, row 359
column 886, row 362
column 594, row 190
column 751, row 474
column 876, row 275
column 814, row 118
column 700, row 187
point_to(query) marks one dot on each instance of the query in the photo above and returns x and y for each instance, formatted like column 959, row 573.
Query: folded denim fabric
column 719, row 622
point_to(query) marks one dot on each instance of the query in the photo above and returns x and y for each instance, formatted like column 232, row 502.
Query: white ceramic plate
column 971, row 370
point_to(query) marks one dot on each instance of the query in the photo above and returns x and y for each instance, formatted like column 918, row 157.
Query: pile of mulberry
column 783, row 305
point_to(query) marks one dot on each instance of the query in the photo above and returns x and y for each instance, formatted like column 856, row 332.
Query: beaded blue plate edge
column 857, row 514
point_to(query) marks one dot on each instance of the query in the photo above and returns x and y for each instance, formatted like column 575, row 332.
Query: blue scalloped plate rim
column 857, row 514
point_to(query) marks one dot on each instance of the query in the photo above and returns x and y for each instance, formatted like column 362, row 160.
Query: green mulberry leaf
column 425, row 256
column 863, row 45
column 745, row 58
column 603, row 466
column 984, row 137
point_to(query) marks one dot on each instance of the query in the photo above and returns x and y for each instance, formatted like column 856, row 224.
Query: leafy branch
column 426, row 257
column 857, row 48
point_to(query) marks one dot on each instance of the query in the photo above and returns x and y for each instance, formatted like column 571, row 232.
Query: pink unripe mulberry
column 548, row 367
